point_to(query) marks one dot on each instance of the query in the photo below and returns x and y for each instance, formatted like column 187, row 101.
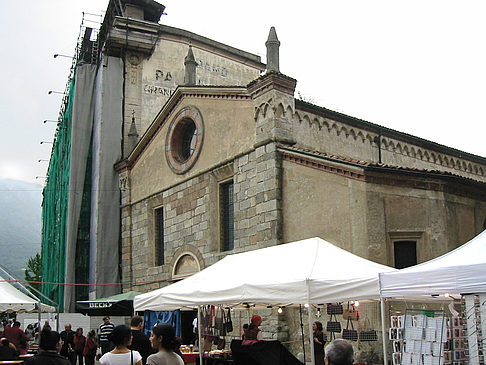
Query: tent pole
column 302, row 330
column 311, row 337
column 309, row 316
column 383, row 330
column 199, row 336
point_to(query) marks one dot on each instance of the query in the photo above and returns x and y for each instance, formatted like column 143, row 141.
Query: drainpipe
column 377, row 140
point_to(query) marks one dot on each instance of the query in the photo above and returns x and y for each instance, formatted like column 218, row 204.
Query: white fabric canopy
column 308, row 271
column 13, row 300
column 460, row 271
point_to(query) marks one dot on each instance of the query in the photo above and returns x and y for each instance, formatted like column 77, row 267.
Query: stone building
column 225, row 169
column 123, row 73
column 218, row 157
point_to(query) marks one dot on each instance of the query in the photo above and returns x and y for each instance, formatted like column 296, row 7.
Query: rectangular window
column 405, row 253
column 159, row 236
column 227, row 216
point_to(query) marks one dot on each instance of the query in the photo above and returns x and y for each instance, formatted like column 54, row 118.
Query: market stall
column 310, row 271
column 115, row 305
column 461, row 272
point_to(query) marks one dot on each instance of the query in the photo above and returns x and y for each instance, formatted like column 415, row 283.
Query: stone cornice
column 388, row 175
column 272, row 81
column 384, row 132
column 181, row 35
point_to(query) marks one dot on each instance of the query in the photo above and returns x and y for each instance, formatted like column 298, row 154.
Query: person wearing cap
column 253, row 332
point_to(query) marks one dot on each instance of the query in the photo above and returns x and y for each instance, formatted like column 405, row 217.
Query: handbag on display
column 367, row 334
column 229, row 322
column 333, row 325
column 334, row 308
column 351, row 313
column 350, row 333
column 219, row 321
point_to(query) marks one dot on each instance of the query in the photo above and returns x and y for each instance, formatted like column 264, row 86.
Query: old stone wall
column 226, row 123
column 257, row 199
column 366, row 218
column 323, row 134
column 150, row 81
column 192, row 221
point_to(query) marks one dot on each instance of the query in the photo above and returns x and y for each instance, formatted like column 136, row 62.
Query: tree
column 33, row 270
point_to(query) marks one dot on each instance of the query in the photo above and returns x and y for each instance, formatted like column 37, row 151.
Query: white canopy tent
column 309, row 271
column 13, row 300
column 460, row 271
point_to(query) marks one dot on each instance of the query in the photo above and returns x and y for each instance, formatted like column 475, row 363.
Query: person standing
column 254, row 332
column 90, row 347
column 121, row 337
column 67, row 349
column 30, row 332
column 49, row 346
column 163, row 339
column 17, row 337
column 140, row 341
column 339, row 352
column 319, row 341
column 79, row 341
column 105, row 329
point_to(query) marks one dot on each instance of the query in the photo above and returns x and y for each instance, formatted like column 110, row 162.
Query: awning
column 13, row 300
column 115, row 305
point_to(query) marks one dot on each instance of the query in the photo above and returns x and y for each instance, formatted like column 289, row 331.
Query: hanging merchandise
column 228, row 324
column 333, row 325
column 367, row 334
column 350, row 333
column 334, row 308
column 219, row 320
column 351, row 313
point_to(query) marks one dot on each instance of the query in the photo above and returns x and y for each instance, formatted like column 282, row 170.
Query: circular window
column 184, row 139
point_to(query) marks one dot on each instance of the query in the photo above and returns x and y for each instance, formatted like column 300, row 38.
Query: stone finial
column 273, row 45
column 190, row 68
column 132, row 135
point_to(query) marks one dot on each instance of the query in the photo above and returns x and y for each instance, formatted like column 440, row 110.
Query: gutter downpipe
column 385, row 355
column 309, row 316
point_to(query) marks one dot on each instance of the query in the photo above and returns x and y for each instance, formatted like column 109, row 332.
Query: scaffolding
column 56, row 188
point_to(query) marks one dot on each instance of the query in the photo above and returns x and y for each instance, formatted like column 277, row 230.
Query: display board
column 418, row 337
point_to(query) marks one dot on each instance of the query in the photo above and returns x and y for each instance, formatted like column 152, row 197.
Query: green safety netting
column 65, row 254
column 55, row 205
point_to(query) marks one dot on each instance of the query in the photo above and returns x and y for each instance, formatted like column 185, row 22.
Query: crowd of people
column 116, row 345
column 112, row 344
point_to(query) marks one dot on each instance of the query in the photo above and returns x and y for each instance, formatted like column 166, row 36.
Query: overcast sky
column 417, row 66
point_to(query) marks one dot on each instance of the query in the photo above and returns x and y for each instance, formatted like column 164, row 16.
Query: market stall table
column 190, row 357
column 25, row 357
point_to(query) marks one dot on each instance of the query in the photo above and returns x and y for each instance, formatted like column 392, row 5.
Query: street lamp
column 62, row 55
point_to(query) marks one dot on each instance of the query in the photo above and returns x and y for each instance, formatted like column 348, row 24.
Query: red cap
column 256, row 318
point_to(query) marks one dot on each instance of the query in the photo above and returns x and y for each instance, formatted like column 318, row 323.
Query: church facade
column 218, row 157
column 225, row 169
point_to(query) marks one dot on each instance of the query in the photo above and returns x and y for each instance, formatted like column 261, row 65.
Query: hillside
column 20, row 224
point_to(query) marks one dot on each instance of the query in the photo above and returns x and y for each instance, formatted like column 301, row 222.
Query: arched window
column 187, row 264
